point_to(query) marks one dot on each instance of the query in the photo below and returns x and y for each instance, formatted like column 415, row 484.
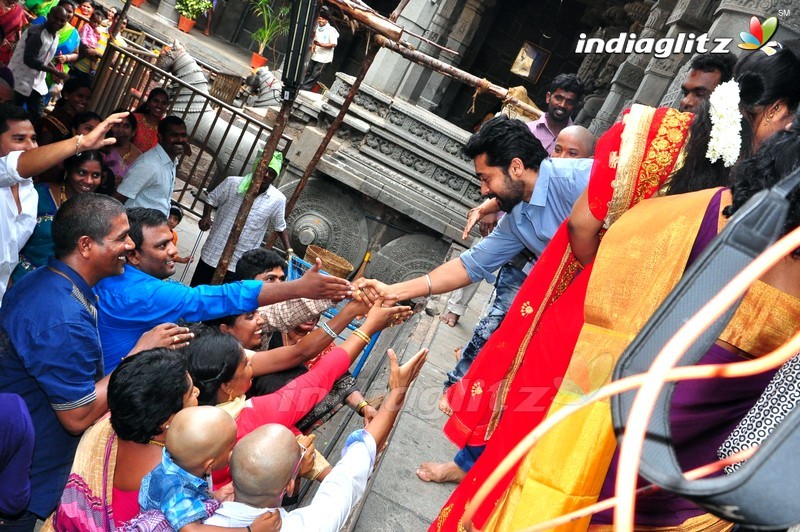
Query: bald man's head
column 200, row 439
column 574, row 142
column 262, row 465
column 6, row 92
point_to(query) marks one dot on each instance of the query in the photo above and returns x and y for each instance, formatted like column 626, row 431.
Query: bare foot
column 444, row 406
column 434, row 472
column 449, row 318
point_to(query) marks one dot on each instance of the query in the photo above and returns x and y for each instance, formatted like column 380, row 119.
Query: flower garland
column 726, row 124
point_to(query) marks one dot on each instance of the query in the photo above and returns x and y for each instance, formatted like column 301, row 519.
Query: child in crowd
column 199, row 441
column 175, row 217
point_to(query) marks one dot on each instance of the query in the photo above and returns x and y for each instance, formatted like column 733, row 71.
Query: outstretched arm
column 400, row 378
column 445, row 278
column 34, row 162
column 313, row 285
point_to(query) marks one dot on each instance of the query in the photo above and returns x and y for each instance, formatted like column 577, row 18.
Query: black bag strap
column 755, row 227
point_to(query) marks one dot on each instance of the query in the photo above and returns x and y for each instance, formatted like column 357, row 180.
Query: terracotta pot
column 257, row 61
column 186, row 24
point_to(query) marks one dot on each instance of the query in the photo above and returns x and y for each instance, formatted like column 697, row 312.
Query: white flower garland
column 726, row 124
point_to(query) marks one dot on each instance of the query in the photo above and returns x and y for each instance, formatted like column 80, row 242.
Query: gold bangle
column 360, row 408
column 78, row 145
column 361, row 334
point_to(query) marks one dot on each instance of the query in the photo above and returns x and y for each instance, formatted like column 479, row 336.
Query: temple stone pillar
column 431, row 86
column 731, row 17
column 660, row 72
column 630, row 73
column 389, row 70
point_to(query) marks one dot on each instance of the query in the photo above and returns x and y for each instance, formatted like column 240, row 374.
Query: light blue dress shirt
column 150, row 181
column 530, row 224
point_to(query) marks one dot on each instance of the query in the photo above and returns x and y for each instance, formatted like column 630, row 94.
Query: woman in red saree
column 522, row 365
column 633, row 160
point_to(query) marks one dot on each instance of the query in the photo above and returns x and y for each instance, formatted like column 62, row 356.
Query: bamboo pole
column 258, row 177
column 483, row 85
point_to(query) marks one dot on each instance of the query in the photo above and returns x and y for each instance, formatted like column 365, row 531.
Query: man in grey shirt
column 151, row 178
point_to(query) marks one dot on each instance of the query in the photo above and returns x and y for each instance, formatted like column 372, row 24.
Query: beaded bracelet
column 328, row 330
column 361, row 334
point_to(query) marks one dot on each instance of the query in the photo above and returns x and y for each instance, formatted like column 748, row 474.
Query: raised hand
column 380, row 317
column 401, row 377
column 96, row 138
column 307, row 463
column 314, row 285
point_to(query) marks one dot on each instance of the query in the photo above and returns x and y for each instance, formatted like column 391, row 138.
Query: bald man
column 574, row 142
column 199, row 440
column 266, row 461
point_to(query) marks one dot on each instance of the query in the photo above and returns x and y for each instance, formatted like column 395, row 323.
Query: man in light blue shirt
column 537, row 192
column 151, row 178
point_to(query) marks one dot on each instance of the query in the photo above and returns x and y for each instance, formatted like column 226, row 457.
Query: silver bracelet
column 430, row 287
column 328, row 330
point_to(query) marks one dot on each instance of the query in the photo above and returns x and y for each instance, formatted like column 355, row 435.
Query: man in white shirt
column 268, row 209
column 325, row 40
column 18, row 198
column 266, row 461
column 151, row 178
column 31, row 62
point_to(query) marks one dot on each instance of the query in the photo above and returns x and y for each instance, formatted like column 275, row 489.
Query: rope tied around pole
column 483, row 86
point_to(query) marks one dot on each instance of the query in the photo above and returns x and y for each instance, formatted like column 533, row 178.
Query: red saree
column 513, row 381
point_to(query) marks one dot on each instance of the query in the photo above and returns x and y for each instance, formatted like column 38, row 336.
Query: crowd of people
column 132, row 401
column 123, row 391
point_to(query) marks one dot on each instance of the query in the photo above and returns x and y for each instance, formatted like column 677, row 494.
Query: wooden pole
column 258, row 177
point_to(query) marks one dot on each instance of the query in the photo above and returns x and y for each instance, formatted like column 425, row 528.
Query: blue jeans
column 509, row 281
column 466, row 457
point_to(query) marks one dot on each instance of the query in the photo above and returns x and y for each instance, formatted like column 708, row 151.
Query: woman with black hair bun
column 144, row 393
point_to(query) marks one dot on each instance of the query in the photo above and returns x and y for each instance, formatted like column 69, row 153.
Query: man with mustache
column 151, row 178
column 565, row 92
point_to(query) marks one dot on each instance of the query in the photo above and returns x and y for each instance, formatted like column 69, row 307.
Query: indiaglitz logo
column 758, row 38
column 626, row 43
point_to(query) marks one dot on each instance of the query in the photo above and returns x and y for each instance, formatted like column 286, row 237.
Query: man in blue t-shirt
column 141, row 298
column 50, row 352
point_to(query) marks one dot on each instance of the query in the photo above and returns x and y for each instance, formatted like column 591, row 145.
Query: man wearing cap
column 268, row 209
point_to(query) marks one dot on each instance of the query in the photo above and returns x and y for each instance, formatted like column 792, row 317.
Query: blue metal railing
column 297, row 267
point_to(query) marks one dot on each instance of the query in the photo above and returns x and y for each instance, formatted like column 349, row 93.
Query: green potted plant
column 274, row 23
column 189, row 11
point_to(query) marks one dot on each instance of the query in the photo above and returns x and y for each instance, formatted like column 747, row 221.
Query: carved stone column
column 660, row 72
column 731, row 18
column 631, row 72
column 432, row 86
column 390, row 69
